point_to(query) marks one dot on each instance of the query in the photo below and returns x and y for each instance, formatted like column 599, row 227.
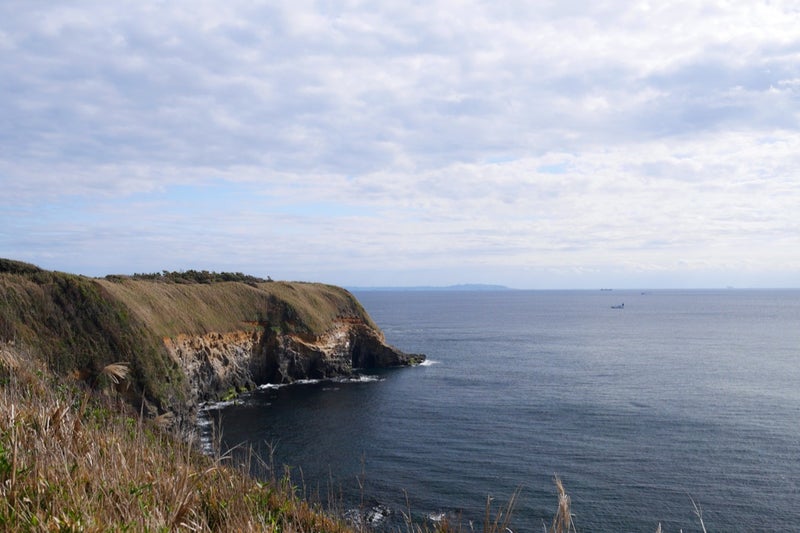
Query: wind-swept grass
column 169, row 309
column 72, row 459
column 562, row 522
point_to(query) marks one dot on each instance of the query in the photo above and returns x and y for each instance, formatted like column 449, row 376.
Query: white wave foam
column 206, row 446
column 360, row 378
column 204, row 432
column 271, row 386
column 373, row 516
column 276, row 386
column 429, row 362
column 213, row 406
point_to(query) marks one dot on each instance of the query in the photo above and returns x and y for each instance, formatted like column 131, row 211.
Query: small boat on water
column 620, row 306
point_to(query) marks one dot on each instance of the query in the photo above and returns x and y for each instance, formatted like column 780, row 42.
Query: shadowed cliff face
column 216, row 364
column 188, row 343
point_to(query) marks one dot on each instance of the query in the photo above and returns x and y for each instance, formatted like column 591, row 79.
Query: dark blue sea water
column 681, row 396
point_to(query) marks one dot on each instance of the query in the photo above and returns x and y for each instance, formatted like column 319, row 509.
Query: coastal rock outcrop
column 217, row 364
column 214, row 362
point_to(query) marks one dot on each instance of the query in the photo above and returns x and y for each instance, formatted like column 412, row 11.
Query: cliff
column 190, row 342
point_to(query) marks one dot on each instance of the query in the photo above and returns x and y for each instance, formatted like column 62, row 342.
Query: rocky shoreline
column 187, row 342
column 220, row 364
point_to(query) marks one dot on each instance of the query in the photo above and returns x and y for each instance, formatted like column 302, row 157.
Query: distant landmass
column 460, row 287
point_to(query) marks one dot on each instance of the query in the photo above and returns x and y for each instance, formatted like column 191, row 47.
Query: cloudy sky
column 544, row 144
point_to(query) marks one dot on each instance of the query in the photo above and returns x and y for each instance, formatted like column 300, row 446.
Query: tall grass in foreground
column 73, row 457
column 71, row 460
column 499, row 520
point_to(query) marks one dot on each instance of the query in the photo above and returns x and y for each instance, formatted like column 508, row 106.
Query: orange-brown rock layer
column 216, row 363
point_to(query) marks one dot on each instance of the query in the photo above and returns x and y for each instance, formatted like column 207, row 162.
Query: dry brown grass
column 9, row 361
column 169, row 309
column 116, row 372
column 74, row 462
column 562, row 522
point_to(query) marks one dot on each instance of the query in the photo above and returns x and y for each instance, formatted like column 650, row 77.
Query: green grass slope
column 76, row 325
column 81, row 324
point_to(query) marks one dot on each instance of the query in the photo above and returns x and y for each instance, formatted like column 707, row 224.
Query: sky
column 533, row 144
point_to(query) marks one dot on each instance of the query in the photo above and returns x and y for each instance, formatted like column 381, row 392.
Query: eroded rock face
column 216, row 363
column 369, row 350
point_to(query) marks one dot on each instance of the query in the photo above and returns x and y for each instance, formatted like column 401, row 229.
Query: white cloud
column 426, row 135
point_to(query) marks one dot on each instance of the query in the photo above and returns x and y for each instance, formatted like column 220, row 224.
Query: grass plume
column 9, row 362
column 116, row 372
column 562, row 522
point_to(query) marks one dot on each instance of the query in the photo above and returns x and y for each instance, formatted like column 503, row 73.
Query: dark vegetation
column 17, row 267
column 193, row 276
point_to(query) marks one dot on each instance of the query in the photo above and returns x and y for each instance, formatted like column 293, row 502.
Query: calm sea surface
column 681, row 396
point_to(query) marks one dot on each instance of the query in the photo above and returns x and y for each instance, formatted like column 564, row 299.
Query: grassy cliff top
column 169, row 309
column 185, row 303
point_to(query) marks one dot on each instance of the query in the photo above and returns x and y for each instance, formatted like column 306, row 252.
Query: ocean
column 679, row 399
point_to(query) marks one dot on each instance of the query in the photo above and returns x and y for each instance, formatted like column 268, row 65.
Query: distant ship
column 620, row 306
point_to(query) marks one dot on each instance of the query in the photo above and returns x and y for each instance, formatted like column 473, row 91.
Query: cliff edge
column 190, row 342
